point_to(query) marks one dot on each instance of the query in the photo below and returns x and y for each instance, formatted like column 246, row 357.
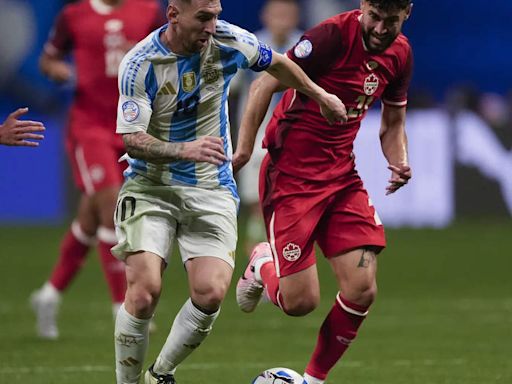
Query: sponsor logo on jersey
column 167, row 89
column 303, row 49
column 97, row 173
column 130, row 110
column 210, row 74
column 188, row 81
column 371, row 84
column 291, row 252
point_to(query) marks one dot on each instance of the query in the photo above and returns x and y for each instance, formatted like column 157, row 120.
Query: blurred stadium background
column 444, row 314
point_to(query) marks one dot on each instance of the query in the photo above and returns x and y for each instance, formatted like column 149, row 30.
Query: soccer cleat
column 153, row 378
column 249, row 289
column 45, row 307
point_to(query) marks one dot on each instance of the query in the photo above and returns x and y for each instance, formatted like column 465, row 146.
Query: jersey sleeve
column 250, row 52
column 136, row 93
column 314, row 52
column 60, row 40
column 395, row 93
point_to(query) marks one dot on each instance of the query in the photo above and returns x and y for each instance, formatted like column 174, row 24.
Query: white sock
column 115, row 309
column 312, row 380
column 190, row 328
column 131, row 342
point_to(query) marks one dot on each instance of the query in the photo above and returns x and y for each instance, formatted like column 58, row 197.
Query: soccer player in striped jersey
column 97, row 33
column 20, row 133
column 179, row 186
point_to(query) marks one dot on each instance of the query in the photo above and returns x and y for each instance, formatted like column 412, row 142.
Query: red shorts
column 94, row 163
column 298, row 212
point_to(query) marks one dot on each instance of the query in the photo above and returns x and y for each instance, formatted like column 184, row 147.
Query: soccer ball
column 278, row 376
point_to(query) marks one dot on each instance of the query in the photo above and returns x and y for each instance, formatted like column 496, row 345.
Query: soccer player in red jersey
column 14, row 132
column 310, row 190
column 98, row 33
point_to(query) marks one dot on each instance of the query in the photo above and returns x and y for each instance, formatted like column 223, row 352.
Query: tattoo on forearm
column 146, row 147
column 367, row 257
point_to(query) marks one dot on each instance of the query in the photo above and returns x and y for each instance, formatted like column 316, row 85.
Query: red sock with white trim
column 73, row 251
column 271, row 282
column 337, row 332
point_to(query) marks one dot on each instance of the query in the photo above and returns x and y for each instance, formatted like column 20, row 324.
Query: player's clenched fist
column 205, row 149
column 333, row 109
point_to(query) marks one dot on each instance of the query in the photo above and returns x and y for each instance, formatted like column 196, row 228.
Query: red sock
column 71, row 259
column 113, row 269
column 337, row 332
column 271, row 282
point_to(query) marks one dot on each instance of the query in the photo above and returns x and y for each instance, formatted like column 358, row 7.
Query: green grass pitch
column 443, row 316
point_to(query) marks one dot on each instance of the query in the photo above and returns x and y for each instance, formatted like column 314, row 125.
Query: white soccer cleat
column 45, row 307
column 249, row 289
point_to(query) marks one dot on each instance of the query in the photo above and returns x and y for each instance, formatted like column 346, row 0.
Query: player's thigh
column 86, row 215
column 94, row 164
column 105, row 204
column 144, row 269
column 209, row 279
column 208, row 224
column 145, row 219
column 350, row 222
column 301, row 285
column 356, row 272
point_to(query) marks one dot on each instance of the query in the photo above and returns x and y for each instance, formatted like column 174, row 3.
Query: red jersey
column 99, row 36
column 299, row 139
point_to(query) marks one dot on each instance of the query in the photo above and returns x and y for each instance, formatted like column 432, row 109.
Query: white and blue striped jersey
column 181, row 98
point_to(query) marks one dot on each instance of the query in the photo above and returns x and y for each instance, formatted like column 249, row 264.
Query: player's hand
column 16, row 132
column 207, row 149
column 333, row 109
column 240, row 158
column 400, row 175
column 60, row 72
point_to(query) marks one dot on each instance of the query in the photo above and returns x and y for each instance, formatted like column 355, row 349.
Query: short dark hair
column 386, row 5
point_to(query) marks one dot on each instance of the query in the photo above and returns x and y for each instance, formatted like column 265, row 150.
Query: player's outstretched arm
column 18, row 132
column 291, row 75
column 55, row 68
column 260, row 95
column 394, row 146
column 141, row 145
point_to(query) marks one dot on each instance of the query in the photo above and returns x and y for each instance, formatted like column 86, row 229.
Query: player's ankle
column 312, row 380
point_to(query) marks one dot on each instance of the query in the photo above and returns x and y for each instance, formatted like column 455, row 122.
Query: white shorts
column 150, row 216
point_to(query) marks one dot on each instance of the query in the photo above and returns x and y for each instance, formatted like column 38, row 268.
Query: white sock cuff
column 257, row 267
column 80, row 235
column 49, row 290
column 198, row 315
column 107, row 235
column 132, row 320
column 312, row 380
column 348, row 309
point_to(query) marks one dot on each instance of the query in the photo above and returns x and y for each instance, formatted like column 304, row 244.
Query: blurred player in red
column 310, row 190
column 97, row 33
column 14, row 132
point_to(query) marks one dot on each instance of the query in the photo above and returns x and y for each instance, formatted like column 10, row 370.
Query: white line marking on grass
column 215, row 366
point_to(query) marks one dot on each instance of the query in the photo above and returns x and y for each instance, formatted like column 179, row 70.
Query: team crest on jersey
column 188, row 81
column 303, row 49
column 291, row 252
column 130, row 110
column 371, row 83
column 210, row 74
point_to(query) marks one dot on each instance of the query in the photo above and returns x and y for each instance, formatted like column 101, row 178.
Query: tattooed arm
column 141, row 145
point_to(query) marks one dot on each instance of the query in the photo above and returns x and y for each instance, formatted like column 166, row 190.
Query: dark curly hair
column 386, row 5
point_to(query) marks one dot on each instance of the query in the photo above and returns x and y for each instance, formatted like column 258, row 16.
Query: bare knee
column 209, row 294
column 363, row 293
column 142, row 298
column 300, row 305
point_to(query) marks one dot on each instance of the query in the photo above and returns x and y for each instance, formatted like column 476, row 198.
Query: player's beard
column 376, row 45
